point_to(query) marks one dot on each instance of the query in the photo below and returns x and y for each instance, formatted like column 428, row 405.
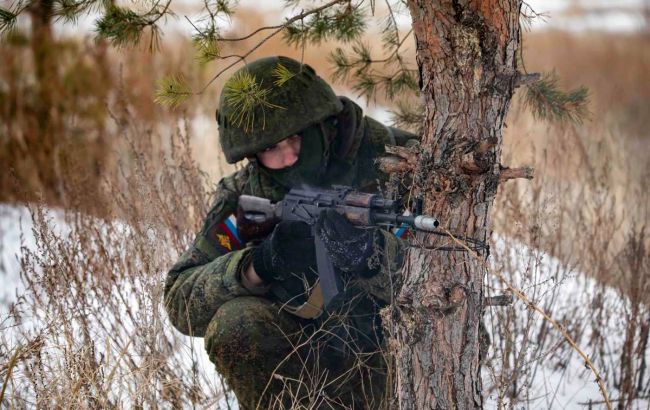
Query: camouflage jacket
column 208, row 274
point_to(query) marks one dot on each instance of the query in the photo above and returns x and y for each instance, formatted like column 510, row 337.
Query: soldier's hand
column 352, row 250
column 289, row 249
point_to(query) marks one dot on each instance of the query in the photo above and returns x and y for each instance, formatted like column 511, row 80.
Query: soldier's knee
column 242, row 330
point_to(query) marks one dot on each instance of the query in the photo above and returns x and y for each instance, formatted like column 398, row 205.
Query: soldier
column 264, row 326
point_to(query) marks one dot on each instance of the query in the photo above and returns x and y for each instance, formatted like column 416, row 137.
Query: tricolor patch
column 403, row 230
column 225, row 234
column 229, row 227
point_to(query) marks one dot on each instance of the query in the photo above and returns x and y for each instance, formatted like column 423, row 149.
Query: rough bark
column 466, row 52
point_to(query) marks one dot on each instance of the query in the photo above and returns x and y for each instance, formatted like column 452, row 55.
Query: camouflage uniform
column 260, row 349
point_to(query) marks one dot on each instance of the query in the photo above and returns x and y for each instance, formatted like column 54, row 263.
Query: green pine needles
column 343, row 22
column 548, row 101
column 395, row 77
column 124, row 27
column 245, row 97
column 207, row 47
column 121, row 26
column 70, row 10
column 409, row 116
column 7, row 19
column 207, row 39
column 172, row 91
column 282, row 75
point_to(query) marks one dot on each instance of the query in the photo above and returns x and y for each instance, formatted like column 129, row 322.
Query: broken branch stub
column 513, row 173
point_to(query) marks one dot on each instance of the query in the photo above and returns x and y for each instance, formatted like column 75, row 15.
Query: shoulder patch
column 224, row 234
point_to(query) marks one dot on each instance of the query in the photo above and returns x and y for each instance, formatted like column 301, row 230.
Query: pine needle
column 549, row 102
column 172, row 91
column 245, row 96
column 207, row 48
column 343, row 22
column 7, row 20
column 282, row 75
column 121, row 26
column 409, row 116
column 69, row 10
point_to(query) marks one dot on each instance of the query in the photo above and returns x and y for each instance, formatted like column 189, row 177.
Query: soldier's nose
column 290, row 158
column 290, row 154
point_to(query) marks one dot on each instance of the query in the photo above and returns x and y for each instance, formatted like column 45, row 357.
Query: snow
column 116, row 324
column 555, row 376
column 11, row 226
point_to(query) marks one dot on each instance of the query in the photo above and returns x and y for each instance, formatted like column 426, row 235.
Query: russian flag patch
column 225, row 234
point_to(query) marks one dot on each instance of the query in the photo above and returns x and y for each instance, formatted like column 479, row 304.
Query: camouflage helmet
column 268, row 100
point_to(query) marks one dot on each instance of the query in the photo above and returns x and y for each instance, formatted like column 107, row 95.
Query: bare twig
column 390, row 164
column 521, row 296
column 525, row 79
column 512, row 173
column 500, row 300
column 277, row 29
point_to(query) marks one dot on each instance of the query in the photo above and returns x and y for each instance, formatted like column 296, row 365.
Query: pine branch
column 217, row 7
column 549, row 102
column 8, row 17
column 276, row 30
column 529, row 15
column 172, row 91
column 70, row 10
column 403, row 81
column 206, row 39
column 357, row 65
column 124, row 27
column 282, row 75
column 121, row 26
column 365, row 85
column 206, row 43
column 409, row 116
column 344, row 22
column 246, row 96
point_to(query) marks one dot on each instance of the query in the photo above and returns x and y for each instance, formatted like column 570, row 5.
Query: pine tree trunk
column 43, row 142
column 466, row 52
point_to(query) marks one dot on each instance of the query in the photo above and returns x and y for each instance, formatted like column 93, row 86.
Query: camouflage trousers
column 272, row 359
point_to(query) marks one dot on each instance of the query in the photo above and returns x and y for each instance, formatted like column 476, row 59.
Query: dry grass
column 90, row 332
column 591, row 190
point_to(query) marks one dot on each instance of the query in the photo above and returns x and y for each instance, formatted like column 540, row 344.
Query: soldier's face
column 281, row 155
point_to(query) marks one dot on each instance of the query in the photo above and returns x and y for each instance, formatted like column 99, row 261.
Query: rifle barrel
column 421, row 222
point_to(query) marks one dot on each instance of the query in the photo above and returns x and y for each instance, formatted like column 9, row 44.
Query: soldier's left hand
column 353, row 250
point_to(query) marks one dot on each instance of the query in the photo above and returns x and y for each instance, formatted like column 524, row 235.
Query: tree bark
column 467, row 56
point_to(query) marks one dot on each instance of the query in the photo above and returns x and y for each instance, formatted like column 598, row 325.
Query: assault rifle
column 257, row 216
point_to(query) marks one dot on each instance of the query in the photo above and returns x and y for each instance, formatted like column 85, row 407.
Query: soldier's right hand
column 288, row 250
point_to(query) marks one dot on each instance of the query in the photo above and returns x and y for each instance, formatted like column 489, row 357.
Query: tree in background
column 466, row 70
column 53, row 107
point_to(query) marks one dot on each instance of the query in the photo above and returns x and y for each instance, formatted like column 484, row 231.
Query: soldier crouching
column 258, row 304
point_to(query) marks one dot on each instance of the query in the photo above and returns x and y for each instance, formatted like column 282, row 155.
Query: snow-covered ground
column 115, row 318
column 555, row 377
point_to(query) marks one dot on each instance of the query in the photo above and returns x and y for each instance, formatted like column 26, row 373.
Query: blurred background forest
column 80, row 131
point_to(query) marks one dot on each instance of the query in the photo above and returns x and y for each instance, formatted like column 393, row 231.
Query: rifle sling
column 311, row 309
